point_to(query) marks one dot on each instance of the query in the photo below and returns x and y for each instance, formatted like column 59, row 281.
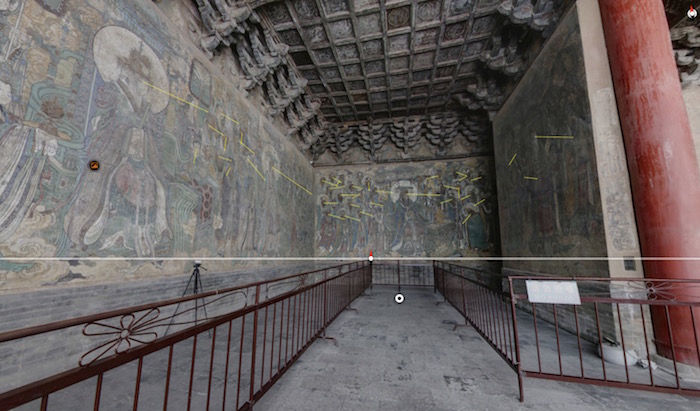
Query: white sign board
column 553, row 292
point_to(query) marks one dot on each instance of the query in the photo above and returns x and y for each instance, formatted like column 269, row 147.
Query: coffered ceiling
column 366, row 59
column 389, row 59
column 382, row 79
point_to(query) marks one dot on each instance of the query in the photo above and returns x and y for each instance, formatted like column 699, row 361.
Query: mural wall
column 549, row 198
column 425, row 209
column 186, row 165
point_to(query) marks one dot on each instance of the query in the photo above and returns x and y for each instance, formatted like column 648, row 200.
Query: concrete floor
column 407, row 357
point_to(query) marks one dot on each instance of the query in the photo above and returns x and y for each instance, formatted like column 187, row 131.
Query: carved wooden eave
column 383, row 74
column 438, row 130
column 686, row 46
column 265, row 64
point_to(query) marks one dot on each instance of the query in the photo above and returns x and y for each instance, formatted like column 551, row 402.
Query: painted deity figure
column 126, row 200
column 23, row 153
column 140, row 193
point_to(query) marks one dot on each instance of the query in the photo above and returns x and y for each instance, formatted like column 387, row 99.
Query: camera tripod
column 197, row 287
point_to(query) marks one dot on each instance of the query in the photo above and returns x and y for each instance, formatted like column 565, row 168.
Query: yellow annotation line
column 530, row 178
column 175, row 97
column 353, row 218
column 480, row 201
column 446, row 201
column 466, row 219
column 256, row 170
column 329, row 183
column 336, row 216
column 294, row 182
column 423, row 195
column 244, row 145
column 247, row 148
column 465, row 197
column 218, row 132
column 431, row 177
column 559, row 137
column 355, row 205
column 476, row 178
column 453, row 188
column 335, row 188
column 330, row 202
column 383, row 192
column 226, row 159
column 512, row 159
column 350, row 195
column 222, row 135
column 195, row 155
column 224, row 115
column 228, row 171
column 367, row 214
column 376, row 204
column 339, row 181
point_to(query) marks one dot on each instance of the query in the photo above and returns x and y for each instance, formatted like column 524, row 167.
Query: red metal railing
column 571, row 342
column 402, row 273
column 164, row 355
column 610, row 339
column 490, row 312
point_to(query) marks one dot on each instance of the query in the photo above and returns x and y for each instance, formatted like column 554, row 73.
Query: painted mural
column 426, row 209
column 187, row 166
column 549, row 200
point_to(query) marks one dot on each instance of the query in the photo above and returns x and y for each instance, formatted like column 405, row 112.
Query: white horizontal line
column 376, row 258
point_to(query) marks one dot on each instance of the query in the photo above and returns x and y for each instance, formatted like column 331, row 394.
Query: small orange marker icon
column 94, row 165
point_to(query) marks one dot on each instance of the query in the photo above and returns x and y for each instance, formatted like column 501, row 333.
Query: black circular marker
column 94, row 165
column 398, row 298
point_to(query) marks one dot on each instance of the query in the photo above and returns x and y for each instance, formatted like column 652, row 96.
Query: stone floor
column 389, row 356
column 407, row 357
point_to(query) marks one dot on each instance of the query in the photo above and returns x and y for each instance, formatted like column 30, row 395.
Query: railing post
column 349, row 286
column 464, row 298
column 255, row 339
column 434, row 277
column 325, row 301
column 444, row 290
column 398, row 273
column 516, row 340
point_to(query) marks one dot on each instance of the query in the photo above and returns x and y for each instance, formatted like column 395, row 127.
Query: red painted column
column 660, row 156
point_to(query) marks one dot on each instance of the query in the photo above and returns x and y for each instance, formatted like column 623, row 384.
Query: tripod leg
column 177, row 307
column 201, row 288
column 198, row 286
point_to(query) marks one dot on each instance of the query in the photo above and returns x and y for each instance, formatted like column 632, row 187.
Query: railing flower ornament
column 129, row 330
column 274, row 289
column 303, row 281
column 655, row 290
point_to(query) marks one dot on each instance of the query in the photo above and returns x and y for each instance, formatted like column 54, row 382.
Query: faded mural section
column 549, row 197
column 187, row 166
column 423, row 209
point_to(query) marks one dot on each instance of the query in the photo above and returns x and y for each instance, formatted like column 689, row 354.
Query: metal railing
column 406, row 273
column 609, row 339
column 163, row 346
column 490, row 312
column 615, row 337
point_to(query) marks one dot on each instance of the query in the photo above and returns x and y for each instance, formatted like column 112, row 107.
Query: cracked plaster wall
column 79, row 82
